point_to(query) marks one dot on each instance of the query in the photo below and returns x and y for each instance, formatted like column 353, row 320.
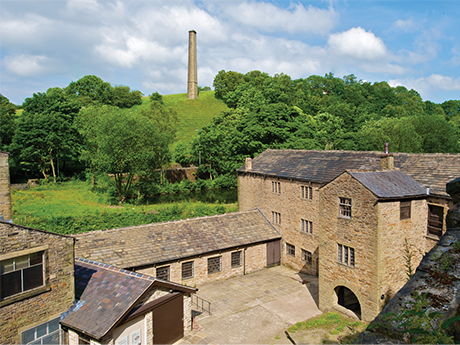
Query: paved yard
column 255, row 308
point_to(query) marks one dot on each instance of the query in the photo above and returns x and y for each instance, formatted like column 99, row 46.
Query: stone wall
column 24, row 311
column 5, row 195
column 253, row 258
column 257, row 191
column 437, row 277
column 360, row 233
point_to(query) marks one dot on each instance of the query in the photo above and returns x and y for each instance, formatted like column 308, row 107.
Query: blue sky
column 143, row 43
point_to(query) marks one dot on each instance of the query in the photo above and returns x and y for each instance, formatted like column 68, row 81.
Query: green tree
column 123, row 97
column 155, row 96
column 7, row 122
column 124, row 144
column 45, row 138
column 225, row 82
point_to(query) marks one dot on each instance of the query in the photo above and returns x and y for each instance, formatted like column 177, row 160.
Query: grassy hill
column 193, row 113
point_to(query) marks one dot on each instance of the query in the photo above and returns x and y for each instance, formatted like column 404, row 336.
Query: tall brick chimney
column 192, row 86
column 5, row 195
column 387, row 160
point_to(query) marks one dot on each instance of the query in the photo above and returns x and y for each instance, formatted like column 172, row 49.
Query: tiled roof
column 432, row 170
column 105, row 294
column 153, row 243
column 389, row 184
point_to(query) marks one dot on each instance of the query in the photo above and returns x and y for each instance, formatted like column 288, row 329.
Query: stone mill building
column 348, row 216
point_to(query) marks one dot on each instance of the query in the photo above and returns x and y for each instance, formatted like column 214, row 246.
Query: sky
column 144, row 43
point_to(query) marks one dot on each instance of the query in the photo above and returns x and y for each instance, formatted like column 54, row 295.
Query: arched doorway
column 347, row 299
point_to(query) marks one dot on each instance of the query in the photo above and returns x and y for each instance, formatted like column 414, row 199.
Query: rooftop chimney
column 192, row 85
column 387, row 159
column 248, row 163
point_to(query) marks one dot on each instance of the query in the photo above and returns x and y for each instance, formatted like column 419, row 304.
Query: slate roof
column 432, row 170
column 389, row 184
column 161, row 242
column 105, row 295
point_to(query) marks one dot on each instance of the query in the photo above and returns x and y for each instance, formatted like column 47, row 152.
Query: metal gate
column 168, row 324
column 273, row 253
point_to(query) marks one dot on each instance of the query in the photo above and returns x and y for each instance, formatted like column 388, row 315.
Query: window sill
column 306, row 233
column 343, row 217
column 24, row 295
column 342, row 264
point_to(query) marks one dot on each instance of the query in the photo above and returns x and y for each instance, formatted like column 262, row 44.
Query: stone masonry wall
column 393, row 232
column 253, row 258
column 359, row 233
column 34, row 307
column 256, row 191
column 5, row 195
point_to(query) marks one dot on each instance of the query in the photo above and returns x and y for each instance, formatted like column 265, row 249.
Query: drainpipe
column 244, row 260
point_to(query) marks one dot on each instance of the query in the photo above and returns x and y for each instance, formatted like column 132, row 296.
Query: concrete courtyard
column 254, row 308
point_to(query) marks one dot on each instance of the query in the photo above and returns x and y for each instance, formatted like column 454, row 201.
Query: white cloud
column 405, row 25
column 357, row 43
column 26, row 65
column 296, row 19
column 427, row 86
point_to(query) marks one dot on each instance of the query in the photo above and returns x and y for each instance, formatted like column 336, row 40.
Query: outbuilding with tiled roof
column 124, row 307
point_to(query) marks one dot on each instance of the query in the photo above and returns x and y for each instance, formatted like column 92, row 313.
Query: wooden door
column 273, row 253
column 168, row 324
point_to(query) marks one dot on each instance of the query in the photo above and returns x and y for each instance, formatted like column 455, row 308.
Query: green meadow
column 72, row 207
column 192, row 113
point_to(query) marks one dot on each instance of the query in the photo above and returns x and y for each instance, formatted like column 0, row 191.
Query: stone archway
column 347, row 299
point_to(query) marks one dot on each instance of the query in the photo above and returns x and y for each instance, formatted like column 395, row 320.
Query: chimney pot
column 387, row 149
column 248, row 163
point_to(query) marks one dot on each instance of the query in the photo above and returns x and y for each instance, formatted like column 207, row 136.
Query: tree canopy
column 320, row 113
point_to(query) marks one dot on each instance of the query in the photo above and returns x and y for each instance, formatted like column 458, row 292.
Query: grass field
column 72, row 207
column 193, row 113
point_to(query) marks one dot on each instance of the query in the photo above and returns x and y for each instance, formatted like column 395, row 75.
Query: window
column 307, row 192
column 187, row 270
column 306, row 256
column 163, row 272
column 290, row 249
column 345, row 207
column 214, row 265
column 346, row 255
column 276, row 187
column 307, row 226
column 276, row 217
column 236, row 259
column 404, row 210
column 46, row 333
column 21, row 274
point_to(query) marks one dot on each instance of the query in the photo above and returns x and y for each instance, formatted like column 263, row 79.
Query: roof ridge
column 159, row 223
column 116, row 269
column 374, row 152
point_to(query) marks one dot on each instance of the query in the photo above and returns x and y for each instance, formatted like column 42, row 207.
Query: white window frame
column 306, row 226
column 14, row 256
column 276, row 187
column 306, row 192
column 276, row 218
column 346, row 255
column 43, row 327
column 345, row 208
column 306, row 256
